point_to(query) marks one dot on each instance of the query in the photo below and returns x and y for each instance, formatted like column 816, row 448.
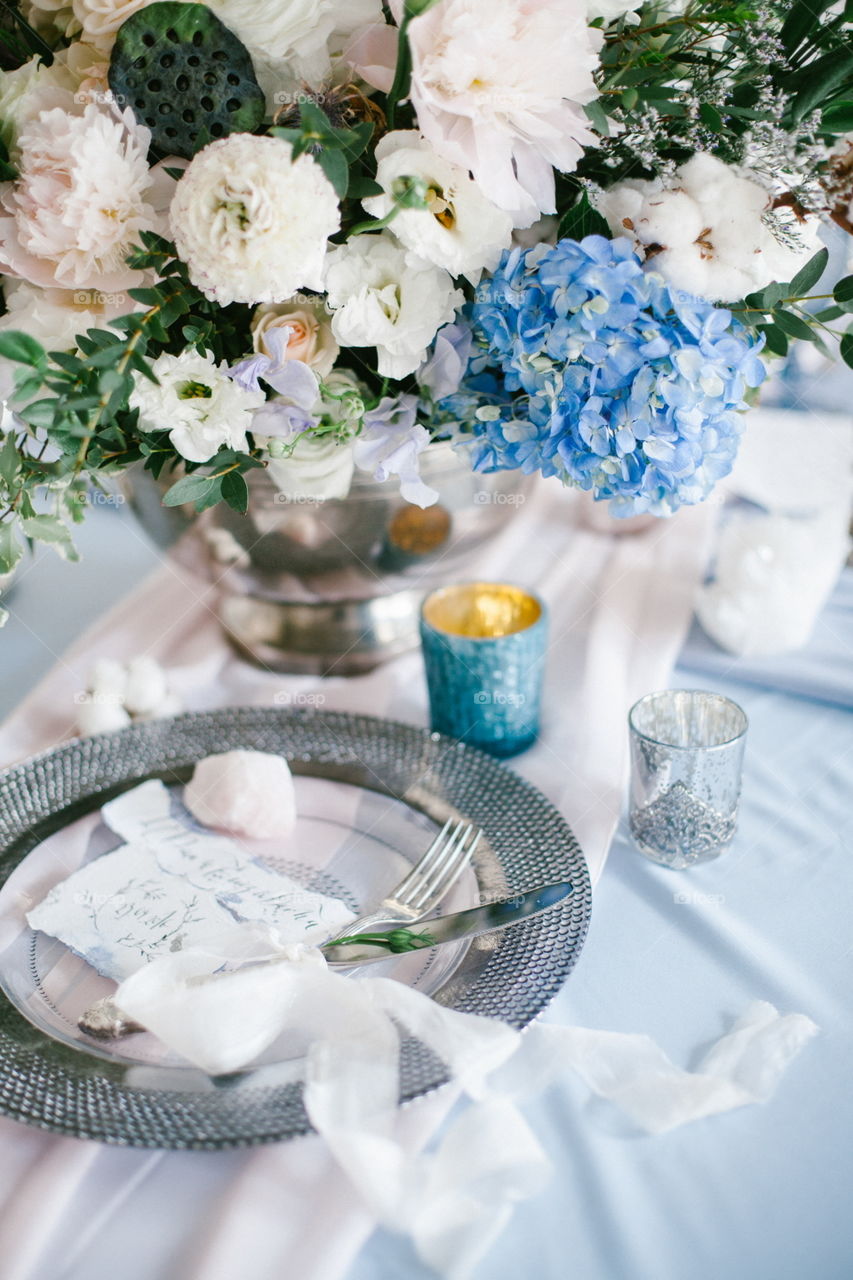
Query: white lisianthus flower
column 705, row 232
column 384, row 297
column 197, row 403
column 461, row 231
column 498, row 88
column 81, row 201
column 252, row 223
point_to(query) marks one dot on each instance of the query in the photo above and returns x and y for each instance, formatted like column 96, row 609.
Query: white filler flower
column 197, row 403
column 251, row 222
column 384, row 297
column 705, row 231
column 461, row 230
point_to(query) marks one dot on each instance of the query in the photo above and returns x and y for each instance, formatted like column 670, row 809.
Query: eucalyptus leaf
column 846, row 348
column 10, row 546
column 189, row 488
column 235, row 491
column 18, row 346
column 808, row 276
column 843, row 291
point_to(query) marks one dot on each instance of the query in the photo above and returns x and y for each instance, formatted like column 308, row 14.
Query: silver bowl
column 335, row 586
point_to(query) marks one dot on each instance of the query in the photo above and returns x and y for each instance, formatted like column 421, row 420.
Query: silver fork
column 426, row 884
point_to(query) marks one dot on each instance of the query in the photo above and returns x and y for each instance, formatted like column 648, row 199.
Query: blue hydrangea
column 590, row 368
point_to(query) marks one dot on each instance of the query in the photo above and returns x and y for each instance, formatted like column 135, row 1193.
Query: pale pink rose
column 84, row 195
column 310, row 340
column 499, row 86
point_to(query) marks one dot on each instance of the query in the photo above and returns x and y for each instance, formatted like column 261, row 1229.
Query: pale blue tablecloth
column 763, row 1193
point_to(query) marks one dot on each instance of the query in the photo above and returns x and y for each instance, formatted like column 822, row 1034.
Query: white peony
column 251, row 222
column 499, row 86
column 55, row 317
column 197, row 403
column 291, row 41
column 384, row 297
column 461, row 231
column 705, row 232
column 83, row 197
column 97, row 21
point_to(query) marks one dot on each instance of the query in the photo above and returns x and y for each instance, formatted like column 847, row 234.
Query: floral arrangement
column 312, row 236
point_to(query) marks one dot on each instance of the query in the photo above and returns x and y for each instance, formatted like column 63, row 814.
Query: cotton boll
column 108, row 678
column 146, row 686
column 98, row 714
column 247, row 793
column 686, row 266
column 711, row 224
column 171, row 705
column 671, row 218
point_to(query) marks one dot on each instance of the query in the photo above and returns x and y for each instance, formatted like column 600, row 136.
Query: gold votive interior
column 481, row 610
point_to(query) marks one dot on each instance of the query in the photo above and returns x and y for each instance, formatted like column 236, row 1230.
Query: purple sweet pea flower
column 390, row 443
column 293, row 379
column 442, row 373
column 281, row 421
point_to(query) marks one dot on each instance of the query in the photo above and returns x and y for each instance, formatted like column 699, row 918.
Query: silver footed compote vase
column 334, row 587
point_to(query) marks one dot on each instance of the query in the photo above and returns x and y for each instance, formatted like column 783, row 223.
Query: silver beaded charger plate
column 370, row 795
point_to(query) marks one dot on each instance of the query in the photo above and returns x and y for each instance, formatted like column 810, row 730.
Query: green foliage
column 334, row 149
column 186, row 76
column 582, row 220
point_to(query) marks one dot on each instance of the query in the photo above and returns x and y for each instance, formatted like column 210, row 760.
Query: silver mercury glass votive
column 686, row 762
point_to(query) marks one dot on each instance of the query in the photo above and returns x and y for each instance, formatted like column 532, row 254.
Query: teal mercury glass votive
column 484, row 650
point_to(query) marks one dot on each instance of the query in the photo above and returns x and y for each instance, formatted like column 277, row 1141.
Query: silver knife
column 367, row 948
column 105, row 1021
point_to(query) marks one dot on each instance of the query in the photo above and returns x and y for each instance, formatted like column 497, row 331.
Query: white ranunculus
column 385, row 297
column 197, row 403
column 251, row 222
column 319, row 468
column 83, row 197
column 499, row 87
column 705, row 231
column 461, row 231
